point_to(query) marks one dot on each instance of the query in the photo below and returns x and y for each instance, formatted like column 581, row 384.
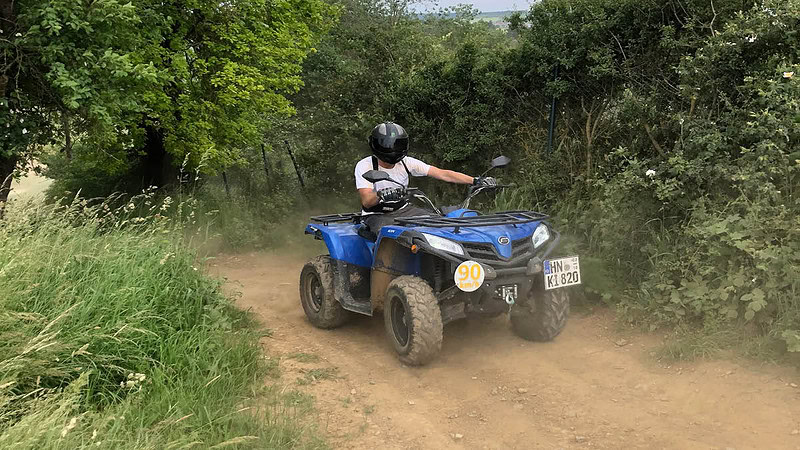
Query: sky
column 484, row 5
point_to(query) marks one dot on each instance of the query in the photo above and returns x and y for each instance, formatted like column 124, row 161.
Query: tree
column 148, row 82
column 66, row 68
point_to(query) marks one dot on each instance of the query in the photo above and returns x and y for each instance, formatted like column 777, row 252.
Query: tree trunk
column 7, row 166
column 67, row 135
column 155, row 166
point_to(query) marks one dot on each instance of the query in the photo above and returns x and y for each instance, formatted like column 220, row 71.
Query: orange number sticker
column 469, row 276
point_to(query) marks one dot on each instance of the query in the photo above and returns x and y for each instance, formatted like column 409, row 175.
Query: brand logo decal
column 502, row 240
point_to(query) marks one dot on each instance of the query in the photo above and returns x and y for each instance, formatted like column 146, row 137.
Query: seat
column 448, row 209
column 366, row 233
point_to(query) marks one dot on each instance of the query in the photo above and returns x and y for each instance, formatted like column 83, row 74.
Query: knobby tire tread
column 331, row 313
column 426, row 317
column 548, row 318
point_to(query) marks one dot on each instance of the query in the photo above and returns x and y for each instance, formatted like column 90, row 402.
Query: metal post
column 553, row 106
column 296, row 168
column 225, row 182
column 264, row 156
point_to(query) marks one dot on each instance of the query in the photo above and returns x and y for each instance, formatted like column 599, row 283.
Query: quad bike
column 426, row 271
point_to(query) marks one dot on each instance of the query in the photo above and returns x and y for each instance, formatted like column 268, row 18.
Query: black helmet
column 389, row 142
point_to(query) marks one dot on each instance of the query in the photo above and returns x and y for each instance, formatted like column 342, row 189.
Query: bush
column 110, row 334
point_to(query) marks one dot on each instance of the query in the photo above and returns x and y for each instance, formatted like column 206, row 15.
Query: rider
column 384, row 200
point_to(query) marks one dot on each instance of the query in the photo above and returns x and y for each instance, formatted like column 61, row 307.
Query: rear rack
column 505, row 218
column 338, row 218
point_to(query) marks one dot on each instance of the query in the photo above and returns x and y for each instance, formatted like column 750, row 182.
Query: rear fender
column 344, row 243
column 392, row 260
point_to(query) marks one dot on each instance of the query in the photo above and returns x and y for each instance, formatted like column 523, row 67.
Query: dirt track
column 490, row 389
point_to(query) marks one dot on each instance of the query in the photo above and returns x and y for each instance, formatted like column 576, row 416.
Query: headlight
column 443, row 244
column 541, row 235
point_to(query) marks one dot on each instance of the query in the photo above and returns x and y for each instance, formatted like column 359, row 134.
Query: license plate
column 562, row 272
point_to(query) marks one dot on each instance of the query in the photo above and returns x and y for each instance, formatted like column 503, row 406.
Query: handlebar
column 473, row 191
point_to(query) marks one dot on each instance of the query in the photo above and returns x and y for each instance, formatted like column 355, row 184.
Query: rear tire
column 413, row 320
column 542, row 316
column 317, row 294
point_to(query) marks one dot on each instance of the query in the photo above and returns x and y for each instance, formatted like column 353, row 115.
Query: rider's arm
column 368, row 197
column 448, row 175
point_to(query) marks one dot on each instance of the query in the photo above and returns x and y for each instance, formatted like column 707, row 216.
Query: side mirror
column 373, row 176
column 501, row 161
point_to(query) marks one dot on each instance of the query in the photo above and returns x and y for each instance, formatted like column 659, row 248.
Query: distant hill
column 499, row 15
column 496, row 14
column 496, row 18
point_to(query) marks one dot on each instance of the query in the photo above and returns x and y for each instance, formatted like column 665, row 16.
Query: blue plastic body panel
column 410, row 264
column 486, row 234
column 462, row 213
column 344, row 243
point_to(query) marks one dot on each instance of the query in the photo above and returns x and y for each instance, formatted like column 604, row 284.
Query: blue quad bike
column 427, row 271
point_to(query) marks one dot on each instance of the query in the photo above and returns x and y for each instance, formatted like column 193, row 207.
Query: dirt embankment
column 590, row 388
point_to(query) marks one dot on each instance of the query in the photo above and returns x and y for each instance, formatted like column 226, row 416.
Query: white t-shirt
column 397, row 173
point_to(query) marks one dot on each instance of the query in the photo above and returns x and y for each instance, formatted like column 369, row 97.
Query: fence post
column 225, row 182
column 296, row 168
column 552, row 128
column 264, row 157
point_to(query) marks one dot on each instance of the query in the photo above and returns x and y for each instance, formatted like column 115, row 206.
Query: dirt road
column 489, row 389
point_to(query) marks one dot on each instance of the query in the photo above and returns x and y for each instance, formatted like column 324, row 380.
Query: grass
column 715, row 341
column 303, row 357
column 111, row 336
column 312, row 375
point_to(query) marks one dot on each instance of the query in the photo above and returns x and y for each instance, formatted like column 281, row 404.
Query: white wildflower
column 18, row 35
column 751, row 39
column 94, row 434
column 71, row 425
column 165, row 258
column 788, row 74
column 167, row 202
column 24, row 131
column 650, row 173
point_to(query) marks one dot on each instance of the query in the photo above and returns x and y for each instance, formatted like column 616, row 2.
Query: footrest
column 361, row 306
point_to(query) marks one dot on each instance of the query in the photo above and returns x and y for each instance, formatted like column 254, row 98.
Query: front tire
column 542, row 317
column 413, row 320
column 317, row 294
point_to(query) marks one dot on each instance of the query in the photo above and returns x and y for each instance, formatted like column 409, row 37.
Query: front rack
column 338, row 218
column 504, row 218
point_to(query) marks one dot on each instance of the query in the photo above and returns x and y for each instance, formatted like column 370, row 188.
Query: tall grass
column 111, row 336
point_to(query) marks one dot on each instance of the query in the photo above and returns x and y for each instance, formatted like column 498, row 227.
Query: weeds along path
column 490, row 389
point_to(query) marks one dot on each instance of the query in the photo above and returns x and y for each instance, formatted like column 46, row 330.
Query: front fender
column 392, row 260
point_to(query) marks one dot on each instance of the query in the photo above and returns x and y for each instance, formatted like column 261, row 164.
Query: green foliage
column 143, row 84
column 110, row 334
column 372, row 67
column 705, row 230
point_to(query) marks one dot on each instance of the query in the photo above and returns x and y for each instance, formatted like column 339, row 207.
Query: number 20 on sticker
column 469, row 276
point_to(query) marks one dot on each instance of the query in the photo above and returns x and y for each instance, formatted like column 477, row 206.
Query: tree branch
column 656, row 145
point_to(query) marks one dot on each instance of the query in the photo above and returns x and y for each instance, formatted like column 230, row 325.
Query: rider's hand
column 484, row 181
column 391, row 194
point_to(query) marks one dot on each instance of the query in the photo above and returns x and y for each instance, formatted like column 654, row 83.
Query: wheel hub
column 399, row 322
column 316, row 292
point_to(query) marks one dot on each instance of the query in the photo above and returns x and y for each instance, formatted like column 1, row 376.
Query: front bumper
column 529, row 263
column 521, row 270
